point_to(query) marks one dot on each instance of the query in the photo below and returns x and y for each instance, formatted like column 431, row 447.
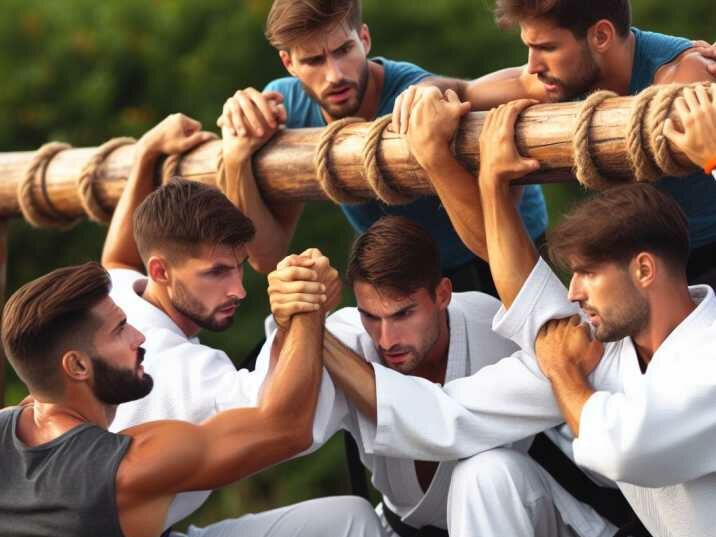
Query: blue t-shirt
column 696, row 194
column 305, row 112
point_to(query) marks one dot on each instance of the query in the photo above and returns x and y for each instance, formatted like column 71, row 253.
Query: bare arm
column 691, row 66
column 352, row 374
column 169, row 457
column 175, row 134
column 248, row 121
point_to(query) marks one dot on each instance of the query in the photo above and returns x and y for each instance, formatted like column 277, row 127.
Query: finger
column 690, row 98
column 312, row 252
column 189, row 125
column 672, row 134
column 308, row 298
column 292, row 274
column 286, row 311
column 297, row 286
column 194, row 140
column 575, row 320
column 395, row 123
column 295, row 260
column 254, row 122
column 275, row 96
column 232, row 112
column 405, row 107
column 711, row 66
column 282, row 114
column 264, row 106
column 682, row 109
column 702, row 96
column 700, row 43
column 529, row 165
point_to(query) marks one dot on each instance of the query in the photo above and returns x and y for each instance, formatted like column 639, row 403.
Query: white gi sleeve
column 522, row 322
column 662, row 431
column 499, row 404
column 714, row 174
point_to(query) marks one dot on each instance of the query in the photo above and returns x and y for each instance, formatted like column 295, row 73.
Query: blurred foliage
column 82, row 71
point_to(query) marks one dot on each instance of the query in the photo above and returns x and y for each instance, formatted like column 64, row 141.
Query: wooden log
column 285, row 171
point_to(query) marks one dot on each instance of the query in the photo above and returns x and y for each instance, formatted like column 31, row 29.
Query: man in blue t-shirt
column 575, row 47
column 324, row 47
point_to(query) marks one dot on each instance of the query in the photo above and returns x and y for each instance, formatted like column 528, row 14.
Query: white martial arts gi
column 192, row 382
column 653, row 433
column 473, row 346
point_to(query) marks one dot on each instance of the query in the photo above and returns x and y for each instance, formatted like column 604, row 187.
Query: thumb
column 529, row 165
column 194, row 140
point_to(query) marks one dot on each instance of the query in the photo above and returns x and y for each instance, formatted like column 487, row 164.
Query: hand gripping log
column 601, row 141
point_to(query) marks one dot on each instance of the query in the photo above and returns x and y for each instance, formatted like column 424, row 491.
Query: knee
column 496, row 471
column 349, row 516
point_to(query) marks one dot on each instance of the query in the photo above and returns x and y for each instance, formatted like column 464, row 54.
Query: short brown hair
column 395, row 255
column 182, row 216
column 49, row 316
column 292, row 21
column 617, row 224
column 574, row 15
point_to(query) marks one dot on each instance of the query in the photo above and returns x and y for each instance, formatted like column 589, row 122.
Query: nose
column 576, row 293
column 534, row 62
column 237, row 287
column 138, row 338
column 387, row 335
column 333, row 70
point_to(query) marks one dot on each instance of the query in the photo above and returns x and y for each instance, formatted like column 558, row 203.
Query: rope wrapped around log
column 604, row 140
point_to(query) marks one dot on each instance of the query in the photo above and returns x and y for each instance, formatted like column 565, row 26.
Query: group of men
column 443, row 391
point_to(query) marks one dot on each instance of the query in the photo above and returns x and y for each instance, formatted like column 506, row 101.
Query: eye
column 345, row 49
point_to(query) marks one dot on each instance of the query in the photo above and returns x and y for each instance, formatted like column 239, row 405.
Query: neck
column 371, row 98
column 434, row 366
column 159, row 298
column 617, row 65
column 673, row 305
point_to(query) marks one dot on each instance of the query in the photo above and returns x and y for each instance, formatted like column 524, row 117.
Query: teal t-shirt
column 305, row 112
column 696, row 194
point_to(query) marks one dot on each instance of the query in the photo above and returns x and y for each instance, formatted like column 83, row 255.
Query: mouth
column 339, row 95
column 228, row 309
column 550, row 84
column 396, row 358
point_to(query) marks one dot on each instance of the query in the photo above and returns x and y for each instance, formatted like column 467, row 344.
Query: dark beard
column 189, row 306
column 584, row 81
column 114, row 386
column 341, row 113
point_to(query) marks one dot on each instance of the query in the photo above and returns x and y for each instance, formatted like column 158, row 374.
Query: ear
column 285, row 56
column 77, row 366
column 601, row 36
column 443, row 293
column 157, row 270
column 644, row 269
column 364, row 35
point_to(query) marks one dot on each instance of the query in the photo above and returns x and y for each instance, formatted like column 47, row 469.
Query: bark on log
column 285, row 171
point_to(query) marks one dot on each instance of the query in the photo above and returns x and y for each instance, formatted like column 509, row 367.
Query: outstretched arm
column 177, row 133
column 169, row 457
column 249, row 119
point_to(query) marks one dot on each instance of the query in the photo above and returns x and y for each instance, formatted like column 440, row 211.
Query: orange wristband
column 710, row 166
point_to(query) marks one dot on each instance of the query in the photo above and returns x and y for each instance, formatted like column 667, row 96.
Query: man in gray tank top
column 65, row 475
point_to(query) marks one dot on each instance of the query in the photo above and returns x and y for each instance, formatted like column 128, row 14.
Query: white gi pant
column 503, row 492
column 337, row 516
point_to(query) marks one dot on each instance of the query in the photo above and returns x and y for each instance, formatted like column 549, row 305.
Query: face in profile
column 404, row 329
column 207, row 289
column 333, row 68
column 564, row 64
column 116, row 356
column 610, row 299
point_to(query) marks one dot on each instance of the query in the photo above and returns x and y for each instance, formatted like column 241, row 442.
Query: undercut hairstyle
column 397, row 256
column 50, row 316
column 293, row 21
column 618, row 224
column 574, row 15
column 181, row 217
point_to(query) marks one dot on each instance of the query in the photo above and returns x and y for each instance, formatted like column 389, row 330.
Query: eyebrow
column 322, row 55
column 393, row 314
column 119, row 325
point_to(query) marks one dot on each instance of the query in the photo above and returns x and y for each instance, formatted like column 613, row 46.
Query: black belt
column 403, row 530
column 166, row 533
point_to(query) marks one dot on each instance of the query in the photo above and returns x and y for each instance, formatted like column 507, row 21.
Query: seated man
column 64, row 474
column 643, row 417
column 409, row 320
column 191, row 242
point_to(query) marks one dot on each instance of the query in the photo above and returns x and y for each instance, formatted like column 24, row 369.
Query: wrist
column 147, row 150
column 563, row 370
column 493, row 182
column 434, row 157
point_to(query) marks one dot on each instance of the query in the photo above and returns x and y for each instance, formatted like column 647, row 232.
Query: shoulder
column 689, row 66
column 399, row 75
column 124, row 278
column 479, row 307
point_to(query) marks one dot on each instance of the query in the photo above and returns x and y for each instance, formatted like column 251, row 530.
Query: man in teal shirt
column 325, row 46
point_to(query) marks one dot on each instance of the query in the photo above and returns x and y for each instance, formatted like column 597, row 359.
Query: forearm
column 511, row 252
column 274, row 227
column 572, row 390
column 502, row 86
column 120, row 250
column 459, row 193
column 290, row 397
column 351, row 374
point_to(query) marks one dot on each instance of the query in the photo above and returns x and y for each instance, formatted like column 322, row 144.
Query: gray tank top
column 64, row 488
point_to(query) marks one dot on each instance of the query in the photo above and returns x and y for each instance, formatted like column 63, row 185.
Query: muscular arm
column 691, row 66
column 169, row 457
